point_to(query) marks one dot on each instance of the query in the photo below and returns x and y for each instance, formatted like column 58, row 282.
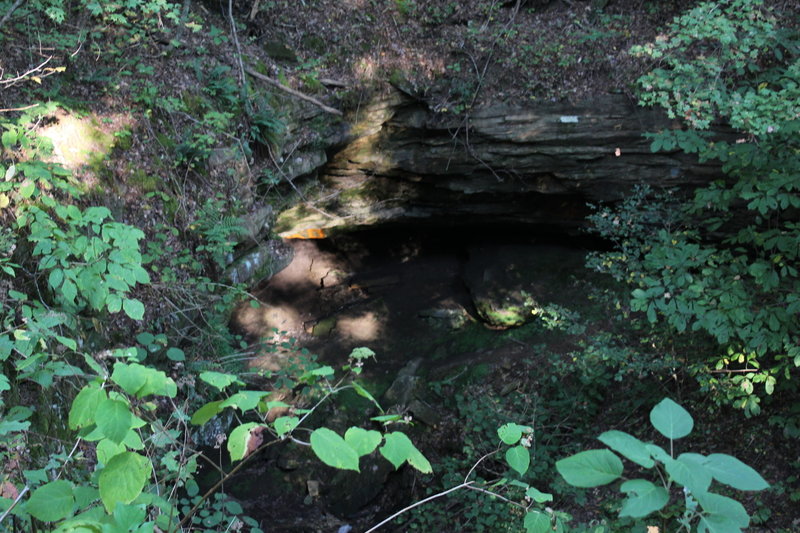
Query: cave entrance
column 415, row 290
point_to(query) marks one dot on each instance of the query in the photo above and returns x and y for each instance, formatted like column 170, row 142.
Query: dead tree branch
column 293, row 92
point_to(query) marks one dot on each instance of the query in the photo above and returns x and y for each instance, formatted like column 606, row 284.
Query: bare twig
column 293, row 92
column 16, row 501
column 13, row 81
column 243, row 79
column 18, row 108
column 421, row 502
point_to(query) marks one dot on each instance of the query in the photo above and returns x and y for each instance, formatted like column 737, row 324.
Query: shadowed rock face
column 533, row 164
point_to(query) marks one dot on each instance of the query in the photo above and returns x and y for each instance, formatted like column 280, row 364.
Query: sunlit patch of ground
column 82, row 140
column 365, row 327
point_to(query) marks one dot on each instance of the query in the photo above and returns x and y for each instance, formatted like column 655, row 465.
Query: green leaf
column 219, row 380
column 386, row 419
column 364, row 393
column 206, row 413
column 658, row 453
column 140, row 381
column 518, row 458
column 590, row 468
column 322, row 371
column 689, row 471
column 245, row 399
column 537, row 522
column 106, row 449
column 84, row 406
column 361, row 353
column 671, row 420
column 51, row 502
column 132, row 307
column 629, row 446
column 55, row 278
column 643, row 498
column 717, row 524
column 538, row 496
column 123, row 479
column 175, row 354
column 362, row 441
column 69, row 343
column 113, row 419
column 9, row 139
column 722, row 506
column 733, row 472
column 333, row 450
column 285, row 424
column 69, row 291
column 239, row 440
column 398, row 448
column 510, row 433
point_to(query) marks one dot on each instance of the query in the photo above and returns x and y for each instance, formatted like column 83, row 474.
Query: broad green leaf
column 643, row 498
column 398, row 448
column 629, row 446
column 244, row 400
column 133, row 441
column 733, row 472
column 123, row 479
column 537, row 522
column 69, row 343
column 133, row 308
column 333, row 450
column 69, row 291
column 206, row 413
column 51, row 502
column 690, row 472
column 285, row 424
column 239, row 440
column 658, row 453
column 10, row 426
column 322, row 371
column 113, row 419
column 518, row 458
column 722, row 506
column 538, row 496
column 671, row 420
column 219, row 380
column 362, row 441
column 85, row 495
column 717, row 524
column 510, row 433
column 590, row 468
column 140, row 381
column 106, row 449
column 55, row 278
column 176, row 354
column 84, row 406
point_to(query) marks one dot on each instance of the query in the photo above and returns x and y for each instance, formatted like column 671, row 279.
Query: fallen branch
column 293, row 92
column 6, row 110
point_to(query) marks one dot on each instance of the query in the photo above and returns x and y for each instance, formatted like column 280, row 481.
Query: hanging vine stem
column 469, row 485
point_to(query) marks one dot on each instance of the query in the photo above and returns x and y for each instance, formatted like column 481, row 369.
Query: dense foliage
column 105, row 404
column 724, row 262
